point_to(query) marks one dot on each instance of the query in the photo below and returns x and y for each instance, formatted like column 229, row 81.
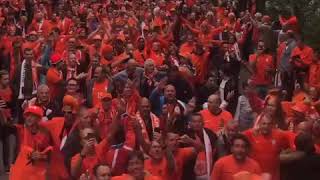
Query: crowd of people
column 156, row 89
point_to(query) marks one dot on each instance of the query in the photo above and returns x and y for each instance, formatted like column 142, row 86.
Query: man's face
column 239, row 149
column 72, row 86
column 72, row 60
column 43, row 95
column 136, row 167
column 97, row 72
column 28, row 55
column 31, row 120
column 214, row 104
column 156, row 151
column 141, row 44
column 84, row 119
column 103, row 173
column 170, row 93
column 271, row 106
column 265, row 125
column 68, row 114
column 172, row 141
column 232, row 130
column 149, row 68
column 196, row 123
column 71, row 43
column 5, row 80
column 131, row 68
column 145, row 108
column 261, row 47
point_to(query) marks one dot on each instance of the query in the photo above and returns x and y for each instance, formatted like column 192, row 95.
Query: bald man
column 214, row 117
column 151, row 77
column 148, row 121
column 167, row 101
column 50, row 107
column 132, row 72
column 225, row 136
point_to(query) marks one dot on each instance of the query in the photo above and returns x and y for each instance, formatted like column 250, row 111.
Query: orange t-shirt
column 314, row 78
column 53, row 78
column 88, row 163
column 306, row 55
column 128, row 177
column 158, row 59
column 291, row 136
column 160, row 169
column 98, row 89
column 215, row 122
column 226, row 167
column 263, row 63
column 139, row 56
column 181, row 156
column 266, row 149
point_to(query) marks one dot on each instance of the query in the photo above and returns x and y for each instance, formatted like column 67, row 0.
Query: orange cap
column 70, row 101
column 36, row 110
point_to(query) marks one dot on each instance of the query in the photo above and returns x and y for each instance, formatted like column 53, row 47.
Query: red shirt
column 160, row 169
column 266, row 150
column 305, row 54
column 181, row 156
column 314, row 72
column 215, row 122
column 263, row 63
column 98, row 89
column 226, row 167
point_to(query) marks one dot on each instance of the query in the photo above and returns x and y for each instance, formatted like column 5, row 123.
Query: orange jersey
column 159, row 169
column 181, row 156
column 128, row 177
column 263, row 63
column 226, row 167
column 215, row 122
column 266, row 150
column 314, row 75
column 305, row 54
column 98, row 89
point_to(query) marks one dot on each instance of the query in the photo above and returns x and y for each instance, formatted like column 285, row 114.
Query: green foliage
column 307, row 12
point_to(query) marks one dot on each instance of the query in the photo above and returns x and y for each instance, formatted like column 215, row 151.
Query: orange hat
column 56, row 58
column 35, row 110
column 106, row 96
column 70, row 101
column 106, row 48
column 300, row 107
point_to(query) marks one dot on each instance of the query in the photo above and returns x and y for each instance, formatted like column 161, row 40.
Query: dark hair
column 304, row 142
column 136, row 154
column 96, row 167
column 241, row 137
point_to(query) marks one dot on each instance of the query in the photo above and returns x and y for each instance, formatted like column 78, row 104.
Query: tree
column 307, row 12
